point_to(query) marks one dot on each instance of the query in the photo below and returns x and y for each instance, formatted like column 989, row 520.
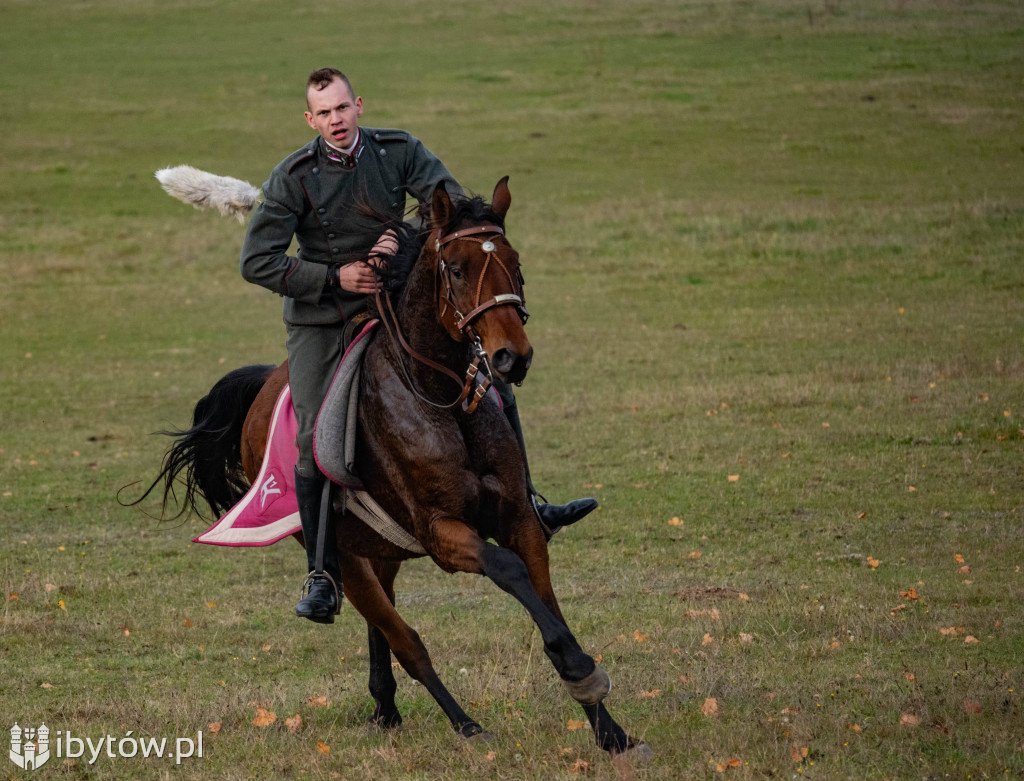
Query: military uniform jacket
column 335, row 213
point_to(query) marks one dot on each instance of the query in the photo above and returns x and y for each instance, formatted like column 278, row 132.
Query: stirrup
column 313, row 576
column 548, row 531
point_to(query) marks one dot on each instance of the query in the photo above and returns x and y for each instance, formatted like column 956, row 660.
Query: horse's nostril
column 504, row 360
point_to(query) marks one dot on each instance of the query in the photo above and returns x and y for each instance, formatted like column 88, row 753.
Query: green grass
column 740, row 222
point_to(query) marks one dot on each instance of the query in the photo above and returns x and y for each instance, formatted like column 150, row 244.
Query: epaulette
column 297, row 158
column 383, row 134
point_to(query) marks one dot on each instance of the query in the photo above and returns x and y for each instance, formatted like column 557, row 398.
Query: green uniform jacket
column 322, row 204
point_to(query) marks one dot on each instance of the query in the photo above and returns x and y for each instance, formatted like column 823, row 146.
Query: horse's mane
column 412, row 236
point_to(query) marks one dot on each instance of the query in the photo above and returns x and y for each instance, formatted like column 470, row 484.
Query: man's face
column 334, row 113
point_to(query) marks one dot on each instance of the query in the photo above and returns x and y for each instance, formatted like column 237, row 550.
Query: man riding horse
column 334, row 196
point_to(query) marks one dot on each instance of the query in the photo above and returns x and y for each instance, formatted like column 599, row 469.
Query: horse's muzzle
column 510, row 366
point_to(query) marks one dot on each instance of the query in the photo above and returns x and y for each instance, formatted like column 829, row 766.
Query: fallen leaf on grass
column 650, row 695
column 744, row 597
column 49, row 587
column 322, row 748
column 972, row 707
column 910, row 593
column 491, row 756
column 713, row 614
column 862, row 515
column 951, row 630
column 853, row 727
column 264, row 718
column 910, row 677
column 580, row 766
column 799, row 754
column 694, row 554
column 674, row 521
column 12, row 596
column 708, row 639
column 958, row 558
column 873, row 563
column 214, row 727
column 211, row 604
column 721, row 767
column 710, row 708
column 640, row 638
column 46, row 686
column 789, row 710
column 319, row 702
column 970, row 640
column 897, row 609
column 909, row 720
column 294, row 724
column 734, row 478
column 746, row 638
column 572, row 725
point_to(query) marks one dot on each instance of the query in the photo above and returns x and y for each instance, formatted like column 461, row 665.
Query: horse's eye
column 455, row 272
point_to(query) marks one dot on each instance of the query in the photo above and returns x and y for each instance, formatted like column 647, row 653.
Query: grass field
column 773, row 256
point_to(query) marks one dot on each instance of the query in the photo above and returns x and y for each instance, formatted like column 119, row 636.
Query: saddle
column 269, row 510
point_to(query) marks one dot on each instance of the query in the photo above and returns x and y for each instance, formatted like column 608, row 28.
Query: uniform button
column 325, row 223
column 383, row 152
column 330, row 235
column 316, row 170
column 394, row 205
column 321, row 211
column 376, row 136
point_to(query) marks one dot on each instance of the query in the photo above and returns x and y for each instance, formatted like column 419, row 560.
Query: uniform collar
column 346, row 158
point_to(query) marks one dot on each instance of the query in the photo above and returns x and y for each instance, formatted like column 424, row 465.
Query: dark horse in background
column 453, row 480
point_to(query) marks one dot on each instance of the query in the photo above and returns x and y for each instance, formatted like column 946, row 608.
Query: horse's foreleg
column 367, row 596
column 382, row 678
column 456, row 547
column 522, row 570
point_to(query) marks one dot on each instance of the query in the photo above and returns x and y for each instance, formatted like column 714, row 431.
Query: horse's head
column 480, row 287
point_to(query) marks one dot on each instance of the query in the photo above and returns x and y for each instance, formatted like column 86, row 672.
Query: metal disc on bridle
column 487, row 246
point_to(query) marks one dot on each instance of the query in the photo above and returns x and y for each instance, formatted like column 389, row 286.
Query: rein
column 458, row 326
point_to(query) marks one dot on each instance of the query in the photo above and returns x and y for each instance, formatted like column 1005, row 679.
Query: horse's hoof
column 474, row 732
column 638, row 752
column 592, row 689
column 384, row 723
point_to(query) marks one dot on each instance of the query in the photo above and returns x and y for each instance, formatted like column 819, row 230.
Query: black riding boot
column 552, row 516
column 322, row 601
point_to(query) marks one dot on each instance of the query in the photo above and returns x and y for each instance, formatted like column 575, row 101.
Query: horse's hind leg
column 367, row 596
column 382, row 678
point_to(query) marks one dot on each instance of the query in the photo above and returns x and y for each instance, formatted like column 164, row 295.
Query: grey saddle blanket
column 334, row 437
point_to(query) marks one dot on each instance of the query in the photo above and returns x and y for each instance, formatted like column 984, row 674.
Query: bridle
column 459, row 326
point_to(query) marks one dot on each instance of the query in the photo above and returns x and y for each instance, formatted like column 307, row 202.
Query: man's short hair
column 322, row 78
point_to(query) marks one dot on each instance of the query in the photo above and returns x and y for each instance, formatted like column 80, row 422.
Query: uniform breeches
column 313, row 355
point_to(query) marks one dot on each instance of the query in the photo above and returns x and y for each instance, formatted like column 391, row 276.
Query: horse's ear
column 440, row 206
column 502, row 198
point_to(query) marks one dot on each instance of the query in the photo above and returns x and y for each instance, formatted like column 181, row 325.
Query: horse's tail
column 231, row 197
column 207, row 458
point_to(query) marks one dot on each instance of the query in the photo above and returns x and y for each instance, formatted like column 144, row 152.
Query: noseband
column 459, row 326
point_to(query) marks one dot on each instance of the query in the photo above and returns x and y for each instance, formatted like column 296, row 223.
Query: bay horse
column 453, row 480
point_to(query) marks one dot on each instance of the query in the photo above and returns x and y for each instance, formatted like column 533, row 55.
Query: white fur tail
column 231, row 197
